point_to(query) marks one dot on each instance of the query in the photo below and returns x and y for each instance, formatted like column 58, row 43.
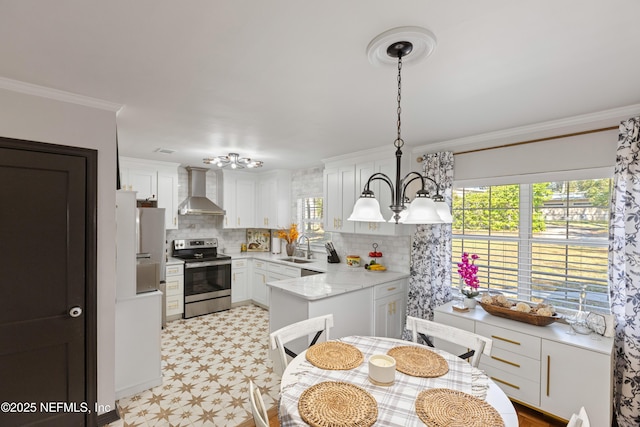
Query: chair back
column 304, row 328
column 580, row 419
column 478, row 344
column 258, row 409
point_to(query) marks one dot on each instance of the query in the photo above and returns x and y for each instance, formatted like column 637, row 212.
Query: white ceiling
column 288, row 81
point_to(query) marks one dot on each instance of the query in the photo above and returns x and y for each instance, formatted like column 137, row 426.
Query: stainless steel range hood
column 197, row 202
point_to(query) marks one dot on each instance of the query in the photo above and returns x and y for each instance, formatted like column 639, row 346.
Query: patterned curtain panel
column 624, row 274
column 430, row 274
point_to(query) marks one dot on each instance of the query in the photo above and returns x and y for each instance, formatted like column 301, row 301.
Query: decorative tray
column 532, row 319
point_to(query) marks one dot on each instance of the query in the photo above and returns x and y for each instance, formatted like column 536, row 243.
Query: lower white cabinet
column 572, row 378
column 542, row 366
column 239, row 280
column 389, row 308
column 174, row 289
column 259, row 282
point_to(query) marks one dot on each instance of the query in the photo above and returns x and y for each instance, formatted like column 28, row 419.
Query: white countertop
column 319, row 263
column 174, row 261
column 337, row 280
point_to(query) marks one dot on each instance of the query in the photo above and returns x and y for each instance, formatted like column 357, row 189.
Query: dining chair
column 580, row 419
column 477, row 344
column 259, row 411
column 304, row 328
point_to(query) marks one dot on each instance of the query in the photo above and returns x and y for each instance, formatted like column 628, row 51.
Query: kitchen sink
column 297, row 260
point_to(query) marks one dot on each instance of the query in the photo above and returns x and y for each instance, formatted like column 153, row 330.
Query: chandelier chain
column 399, row 142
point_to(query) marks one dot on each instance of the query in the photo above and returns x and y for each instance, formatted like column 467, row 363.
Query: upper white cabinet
column 339, row 192
column 267, row 209
column 382, row 192
column 168, row 196
column 153, row 180
column 256, row 200
column 239, row 199
column 273, row 202
column 140, row 178
column 344, row 180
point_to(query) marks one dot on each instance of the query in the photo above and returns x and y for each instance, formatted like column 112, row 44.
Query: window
column 310, row 215
column 537, row 242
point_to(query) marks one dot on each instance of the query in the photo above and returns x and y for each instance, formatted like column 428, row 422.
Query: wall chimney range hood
column 197, row 202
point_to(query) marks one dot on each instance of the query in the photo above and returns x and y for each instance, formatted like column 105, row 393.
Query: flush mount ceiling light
column 424, row 209
column 234, row 161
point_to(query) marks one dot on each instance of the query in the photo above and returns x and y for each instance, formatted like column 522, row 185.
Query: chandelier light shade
column 233, row 161
column 366, row 209
column 424, row 209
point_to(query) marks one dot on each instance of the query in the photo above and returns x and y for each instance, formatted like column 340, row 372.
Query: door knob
column 75, row 312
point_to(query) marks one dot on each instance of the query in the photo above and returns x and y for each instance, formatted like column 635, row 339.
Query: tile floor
column 207, row 362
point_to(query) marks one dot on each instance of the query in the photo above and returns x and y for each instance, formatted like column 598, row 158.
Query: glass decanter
column 580, row 324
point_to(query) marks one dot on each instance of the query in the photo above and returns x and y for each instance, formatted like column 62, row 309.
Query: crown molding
column 58, row 95
column 576, row 123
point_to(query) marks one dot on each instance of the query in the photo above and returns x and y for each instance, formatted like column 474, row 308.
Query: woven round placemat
column 418, row 361
column 335, row 403
column 334, row 355
column 443, row 407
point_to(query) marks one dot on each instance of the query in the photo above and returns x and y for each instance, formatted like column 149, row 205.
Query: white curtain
column 624, row 274
column 430, row 274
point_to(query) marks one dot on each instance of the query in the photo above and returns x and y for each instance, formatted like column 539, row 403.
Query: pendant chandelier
column 234, row 161
column 424, row 209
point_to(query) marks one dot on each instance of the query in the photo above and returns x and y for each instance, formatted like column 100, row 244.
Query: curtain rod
column 537, row 140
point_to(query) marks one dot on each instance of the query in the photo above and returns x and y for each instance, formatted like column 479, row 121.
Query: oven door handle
column 206, row 264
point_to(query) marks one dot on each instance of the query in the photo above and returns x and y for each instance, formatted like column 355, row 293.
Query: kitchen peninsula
column 362, row 302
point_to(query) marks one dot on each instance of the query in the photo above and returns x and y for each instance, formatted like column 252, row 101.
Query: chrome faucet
column 308, row 245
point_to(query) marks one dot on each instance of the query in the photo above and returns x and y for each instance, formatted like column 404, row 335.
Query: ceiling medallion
column 234, row 161
column 422, row 40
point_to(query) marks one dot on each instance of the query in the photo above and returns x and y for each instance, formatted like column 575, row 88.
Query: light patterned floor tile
column 207, row 363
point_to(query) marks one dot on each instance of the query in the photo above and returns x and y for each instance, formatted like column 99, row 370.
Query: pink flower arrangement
column 468, row 272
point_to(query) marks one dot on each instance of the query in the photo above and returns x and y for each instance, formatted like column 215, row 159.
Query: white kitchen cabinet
column 273, row 199
column 339, row 192
column 239, row 280
column 174, row 291
column 574, row 377
column 267, row 207
column 344, row 181
column 239, row 199
column 543, row 366
column 382, row 192
column 259, row 282
column 389, row 309
column 152, row 180
column 168, row 196
column 144, row 181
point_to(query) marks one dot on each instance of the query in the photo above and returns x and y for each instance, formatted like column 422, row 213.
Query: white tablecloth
column 396, row 403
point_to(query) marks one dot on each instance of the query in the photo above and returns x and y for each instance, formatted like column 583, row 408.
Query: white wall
column 41, row 119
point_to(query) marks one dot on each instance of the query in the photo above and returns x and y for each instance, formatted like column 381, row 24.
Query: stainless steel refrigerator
column 151, row 239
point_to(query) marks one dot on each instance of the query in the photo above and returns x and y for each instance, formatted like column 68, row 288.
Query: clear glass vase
column 580, row 324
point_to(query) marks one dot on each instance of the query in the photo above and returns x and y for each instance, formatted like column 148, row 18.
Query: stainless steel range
column 207, row 276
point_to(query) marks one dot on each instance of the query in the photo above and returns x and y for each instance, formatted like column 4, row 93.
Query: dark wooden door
column 47, row 372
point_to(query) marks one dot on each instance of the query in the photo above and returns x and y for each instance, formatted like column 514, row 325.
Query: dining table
column 396, row 403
